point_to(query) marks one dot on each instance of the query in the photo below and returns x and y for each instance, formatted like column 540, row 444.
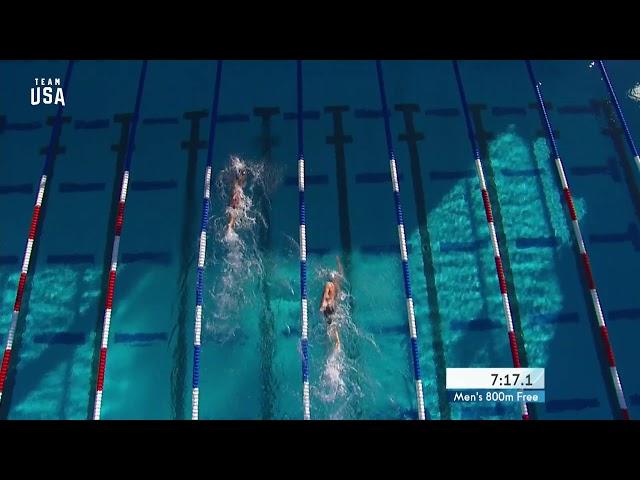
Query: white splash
column 236, row 255
column 634, row 93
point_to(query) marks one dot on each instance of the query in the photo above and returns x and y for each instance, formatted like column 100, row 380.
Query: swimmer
column 236, row 197
column 328, row 304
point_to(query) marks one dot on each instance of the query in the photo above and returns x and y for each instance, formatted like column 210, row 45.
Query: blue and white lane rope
column 116, row 246
column 614, row 99
column 304, row 340
column 591, row 284
column 502, row 282
column 33, row 230
column 202, row 249
column 403, row 247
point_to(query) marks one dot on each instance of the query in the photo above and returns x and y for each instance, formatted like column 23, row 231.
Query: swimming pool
column 252, row 369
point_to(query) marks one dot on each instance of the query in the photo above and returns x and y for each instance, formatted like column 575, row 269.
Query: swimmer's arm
column 232, row 221
column 324, row 293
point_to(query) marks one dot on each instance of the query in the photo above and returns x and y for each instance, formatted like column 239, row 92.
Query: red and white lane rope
column 591, row 284
column 513, row 344
column 114, row 252
column 33, row 230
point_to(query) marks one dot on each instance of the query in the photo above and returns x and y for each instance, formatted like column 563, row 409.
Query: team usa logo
column 44, row 91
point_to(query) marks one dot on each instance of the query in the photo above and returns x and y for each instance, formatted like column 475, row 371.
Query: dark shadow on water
column 411, row 137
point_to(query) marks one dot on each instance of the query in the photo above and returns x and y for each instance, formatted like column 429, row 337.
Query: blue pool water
column 250, row 363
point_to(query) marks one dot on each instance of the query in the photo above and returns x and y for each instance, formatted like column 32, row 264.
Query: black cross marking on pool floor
column 542, row 132
column 55, row 149
column 187, row 257
column 411, row 136
column 609, row 168
column 124, row 119
column 616, row 134
column 631, row 235
column 267, row 319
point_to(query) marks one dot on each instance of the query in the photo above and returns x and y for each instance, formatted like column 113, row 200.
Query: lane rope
column 304, row 340
column 506, row 304
column 202, row 249
column 591, row 284
column 413, row 333
column 115, row 248
column 33, row 231
column 623, row 122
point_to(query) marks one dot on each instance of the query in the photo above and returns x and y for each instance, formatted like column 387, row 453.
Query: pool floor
column 250, row 363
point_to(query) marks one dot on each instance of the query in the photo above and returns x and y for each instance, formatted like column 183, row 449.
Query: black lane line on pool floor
column 267, row 318
column 120, row 148
column 541, row 132
column 609, row 168
column 9, row 260
column 75, row 187
column 483, row 137
column 91, row 124
column 482, row 323
column 551, row 242
column 339, row 139
column 18, row 188
column 601, row 354
column 411, row 136
column 630, row 235
column 615, row 132
column 23, row 126
column 54, row 149
column 179, row 386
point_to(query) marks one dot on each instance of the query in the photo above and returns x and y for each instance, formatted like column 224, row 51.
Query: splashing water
column 634, row 93
column 340, row 379
column 236, row 255
column 331, row 378
column 245, row 214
